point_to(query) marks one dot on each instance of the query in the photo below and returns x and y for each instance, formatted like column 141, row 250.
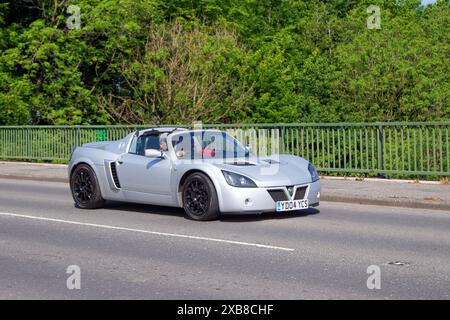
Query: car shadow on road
column 145, row 208
column 179, row 212
column 268, row 216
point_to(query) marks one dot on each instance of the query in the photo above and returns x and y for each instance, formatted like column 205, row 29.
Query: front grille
column 114, row 175
column 300, row 193
column 278, row 195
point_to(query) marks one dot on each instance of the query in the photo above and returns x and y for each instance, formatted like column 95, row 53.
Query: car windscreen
column 207, row 145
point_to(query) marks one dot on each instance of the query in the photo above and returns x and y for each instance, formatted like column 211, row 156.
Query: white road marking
column 250, row 244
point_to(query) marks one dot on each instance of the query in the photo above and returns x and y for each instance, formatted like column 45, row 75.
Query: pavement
column 131, row 251
column 395, row 193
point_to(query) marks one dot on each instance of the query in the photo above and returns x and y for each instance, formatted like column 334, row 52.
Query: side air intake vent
column 114, row 175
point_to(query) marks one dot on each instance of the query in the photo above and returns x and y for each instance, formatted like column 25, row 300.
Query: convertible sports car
column 206, row 172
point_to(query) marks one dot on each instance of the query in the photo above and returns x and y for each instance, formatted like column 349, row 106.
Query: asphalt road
column 130, row 251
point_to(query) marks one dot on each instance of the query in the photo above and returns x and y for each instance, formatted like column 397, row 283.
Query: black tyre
column 85, row 188
column 200, row 198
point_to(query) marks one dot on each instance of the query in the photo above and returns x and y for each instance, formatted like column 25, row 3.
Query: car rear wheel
column 85, row 188
column 200, row 198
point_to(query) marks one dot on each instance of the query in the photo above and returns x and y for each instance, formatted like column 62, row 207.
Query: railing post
column 380, row 150
column 78, row 142
column 28, row 144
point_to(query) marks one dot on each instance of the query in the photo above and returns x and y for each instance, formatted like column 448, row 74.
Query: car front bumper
column 258, row 200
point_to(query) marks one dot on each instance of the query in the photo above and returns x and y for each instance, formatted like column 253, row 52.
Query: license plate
column 291, row 205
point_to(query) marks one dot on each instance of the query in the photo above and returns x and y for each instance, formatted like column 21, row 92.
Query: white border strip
column 145, row 231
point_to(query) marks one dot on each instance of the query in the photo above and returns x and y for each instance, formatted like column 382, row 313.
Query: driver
column 163, row 143
column 179, row 150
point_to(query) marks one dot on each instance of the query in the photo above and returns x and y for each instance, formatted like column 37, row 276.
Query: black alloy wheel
column 85, row 189
column 200, row 198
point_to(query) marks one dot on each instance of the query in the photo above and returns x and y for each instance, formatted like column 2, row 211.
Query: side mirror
column 153, row 153
column 248, row 148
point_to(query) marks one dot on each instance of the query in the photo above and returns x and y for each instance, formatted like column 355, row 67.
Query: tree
column 182, row 75
column 400, row 72
column 136, row 61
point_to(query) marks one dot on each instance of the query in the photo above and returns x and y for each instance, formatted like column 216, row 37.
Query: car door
column 138, row 173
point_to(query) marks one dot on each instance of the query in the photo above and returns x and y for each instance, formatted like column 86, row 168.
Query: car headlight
column 313, row 172
column 237, row 180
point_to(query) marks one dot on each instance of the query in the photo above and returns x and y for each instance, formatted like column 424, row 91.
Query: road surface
column 129, row 251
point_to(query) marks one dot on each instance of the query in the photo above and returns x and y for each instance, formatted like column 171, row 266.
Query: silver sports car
column 206, row 172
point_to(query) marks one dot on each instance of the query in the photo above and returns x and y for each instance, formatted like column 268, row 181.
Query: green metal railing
column 403, row 149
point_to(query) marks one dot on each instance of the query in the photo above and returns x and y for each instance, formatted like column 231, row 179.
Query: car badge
column 290, row 190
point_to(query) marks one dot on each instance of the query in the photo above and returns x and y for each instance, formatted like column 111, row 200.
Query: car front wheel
column 200, row 198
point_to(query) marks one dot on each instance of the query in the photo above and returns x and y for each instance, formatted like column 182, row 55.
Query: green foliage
column 182, row 75
column 400, row 72
column 142, row 61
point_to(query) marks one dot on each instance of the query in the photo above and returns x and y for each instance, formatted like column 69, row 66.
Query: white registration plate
column 291, row 205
